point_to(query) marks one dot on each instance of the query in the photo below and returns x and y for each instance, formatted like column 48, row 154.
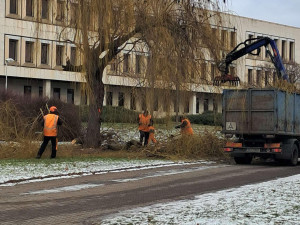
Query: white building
column 32, row 61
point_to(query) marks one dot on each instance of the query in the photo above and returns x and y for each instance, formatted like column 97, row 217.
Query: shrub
column 117, row 114
column 21, row 117
column 207, row 118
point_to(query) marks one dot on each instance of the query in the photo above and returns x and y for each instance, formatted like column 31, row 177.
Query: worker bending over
column 185, row 126
column 50, row 123
column 151, row 134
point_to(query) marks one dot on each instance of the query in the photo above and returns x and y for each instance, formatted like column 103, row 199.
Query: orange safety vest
column 144, row 122
column 50, row 125
column 188, row 128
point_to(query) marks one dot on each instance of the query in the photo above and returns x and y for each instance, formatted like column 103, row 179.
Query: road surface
column 83, row 199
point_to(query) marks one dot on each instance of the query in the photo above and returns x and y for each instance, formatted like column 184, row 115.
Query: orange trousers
column 152, row 138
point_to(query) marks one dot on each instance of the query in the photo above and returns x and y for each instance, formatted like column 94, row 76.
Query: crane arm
column 248, row 48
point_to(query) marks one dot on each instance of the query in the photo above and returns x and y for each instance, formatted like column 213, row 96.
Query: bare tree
column 293, row 71
column 175, row 33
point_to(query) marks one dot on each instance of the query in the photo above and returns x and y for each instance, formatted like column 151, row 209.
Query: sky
column 285, row 12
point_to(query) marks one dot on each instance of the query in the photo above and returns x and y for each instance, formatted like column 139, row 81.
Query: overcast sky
column 285, row 12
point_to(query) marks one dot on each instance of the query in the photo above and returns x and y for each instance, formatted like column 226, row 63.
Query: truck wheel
column 243, row 160
column 294, row 158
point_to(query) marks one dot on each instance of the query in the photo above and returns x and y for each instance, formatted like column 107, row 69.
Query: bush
column 207, row 118
column 117, row 114
column 21, row 117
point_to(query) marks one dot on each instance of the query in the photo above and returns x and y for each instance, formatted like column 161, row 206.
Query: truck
column 260, row 122
column 265, row 123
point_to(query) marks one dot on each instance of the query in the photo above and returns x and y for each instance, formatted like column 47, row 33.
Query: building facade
column 32, row 61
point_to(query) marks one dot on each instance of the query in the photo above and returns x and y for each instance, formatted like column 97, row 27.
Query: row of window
column 40, row 53
column 121, row 102
column 47, row 10
column 56, row 93
column 286, row 47
column 261, row 78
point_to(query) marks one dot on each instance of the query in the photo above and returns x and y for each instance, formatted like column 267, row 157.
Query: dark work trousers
column 44, row 145
column 143, row 135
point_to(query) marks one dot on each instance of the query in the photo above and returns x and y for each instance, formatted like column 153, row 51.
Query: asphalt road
column 61, row 201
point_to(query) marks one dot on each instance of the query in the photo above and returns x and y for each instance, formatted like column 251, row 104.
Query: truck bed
column 261, row 111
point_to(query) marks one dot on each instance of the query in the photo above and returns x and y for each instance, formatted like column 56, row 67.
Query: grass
column 205, row 144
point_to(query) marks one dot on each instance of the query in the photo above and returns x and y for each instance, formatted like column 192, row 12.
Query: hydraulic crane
column 249, row 46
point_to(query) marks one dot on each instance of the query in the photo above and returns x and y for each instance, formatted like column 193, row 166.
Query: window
column 70, row 96
column 212, row 71
column 45, row 6
column 267, row 75
column 291, row 55
column 56, row 93
column 44, row 53
column 28, row 52
column 232, row 39
column 59, row 55
column 260, row 49
column 258, row 77
column 126, row 63
column 13, row 6
column 205, row 105
column 187, row 107
column 250, row 77
column 224, row 37
column 29, row 8
column 138, row 64
column 109, row 97
column 60, row 11
column 40, row 92
column 73, row 56
column 215, row 105
column 197, row 105
column 250, row 36
column 74, row 8
column 83, row 98
column 13, row 46
column 121, row 99
column 283, row 49
column 27, row 91
column 132, row 101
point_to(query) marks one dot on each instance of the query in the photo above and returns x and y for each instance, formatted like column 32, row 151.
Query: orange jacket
column 144, row 122
column 50, row 125
column 188, row 128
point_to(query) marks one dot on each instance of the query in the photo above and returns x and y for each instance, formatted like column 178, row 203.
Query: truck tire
column 294, row 157
column 243, row 160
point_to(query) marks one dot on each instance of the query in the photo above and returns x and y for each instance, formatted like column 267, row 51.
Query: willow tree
column 175, row 33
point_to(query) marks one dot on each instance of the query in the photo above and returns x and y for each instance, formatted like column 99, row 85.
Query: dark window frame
column 29, row 8
column 13, row 49
column 13, row 6
column 70, row 92
column 29, row 51
column 45, row 53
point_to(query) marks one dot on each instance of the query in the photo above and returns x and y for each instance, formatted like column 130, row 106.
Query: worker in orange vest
column 144, row 121
column 186, row 128
column 151, row 134
column 50, row 123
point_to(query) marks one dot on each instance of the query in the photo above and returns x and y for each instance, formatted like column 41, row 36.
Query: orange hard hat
column 53, row 109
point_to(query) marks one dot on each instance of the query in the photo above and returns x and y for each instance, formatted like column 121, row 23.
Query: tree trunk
column 92, row 139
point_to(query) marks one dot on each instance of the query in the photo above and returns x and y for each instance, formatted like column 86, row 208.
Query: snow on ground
column 273, row 202
column 47, row 169
column 126, row 132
